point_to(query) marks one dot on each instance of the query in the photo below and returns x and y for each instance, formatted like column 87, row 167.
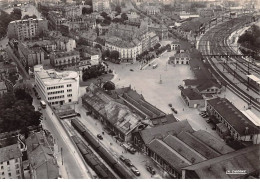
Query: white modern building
column 11, row 162
column 57, row 88
column 101, row 5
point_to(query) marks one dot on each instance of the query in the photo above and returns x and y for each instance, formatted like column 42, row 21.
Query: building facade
column 57, row 88
column 180, row 58
column 27, row 29
column 101, row 5
column 11, row 162
column 65, row 59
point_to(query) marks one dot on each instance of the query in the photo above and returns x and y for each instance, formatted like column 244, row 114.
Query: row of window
column 55, row 87
column 69, row 95
column 56, row 97
column 56, row 92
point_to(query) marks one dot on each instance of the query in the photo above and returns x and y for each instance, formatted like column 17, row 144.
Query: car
column 150, row 169
column 100, row 136
column 78, row 114
column 170, row 105
column 214, row 128
column 125, row 146
column 131, row 70
column 122, row 158
column 38, row 97
column 205, row 116
column 175, row 111
column 180, row 87
column 208, row 120
column 128, row 162
column 39, row 108
column 135, row 171
column 202, row 113
column 131, row 150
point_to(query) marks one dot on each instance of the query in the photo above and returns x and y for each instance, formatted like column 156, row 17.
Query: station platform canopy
column 254, row 78
column 252, row 117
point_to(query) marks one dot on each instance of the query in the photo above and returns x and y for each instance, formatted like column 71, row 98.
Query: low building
column 239, row 126
column 204, row 86
column 57, row 88
column 234, row 165
column 180, row 58
column 160, row 30
column 11, row 162
column 41, row 156
column 111, row 112
column 192, row 98
column 65, row 59
column 27, row 29
column 101, row 5
column 92, row 55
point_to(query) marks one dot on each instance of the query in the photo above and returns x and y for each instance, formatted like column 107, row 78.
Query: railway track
column 239, row 64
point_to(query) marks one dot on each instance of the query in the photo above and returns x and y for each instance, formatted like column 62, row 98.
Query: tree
column 97, row 46
column 86, row 10
column 124, row 17
column 88, row 2
column 104, row 14
column 93, row 72
column 109, row 86
column 16, row 14
column 114, row 55
column 27, row 17
column 21, row 94
column 105, row 54
column 118, row 9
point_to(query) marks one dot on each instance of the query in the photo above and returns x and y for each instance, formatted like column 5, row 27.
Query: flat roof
column 10, row 152
column 52, row 77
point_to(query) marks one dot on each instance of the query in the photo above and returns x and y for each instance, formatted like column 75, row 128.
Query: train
column 104, row 154
column 92, row 160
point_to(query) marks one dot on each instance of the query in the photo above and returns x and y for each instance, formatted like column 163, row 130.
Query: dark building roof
column 169, row 118
column 233, row 116
column 198, row 145
column 208, row 84
column 191, row 94
column 216, row 168
column 169, row 155
column 213, row 142
column 183, row 149
column 161, row 131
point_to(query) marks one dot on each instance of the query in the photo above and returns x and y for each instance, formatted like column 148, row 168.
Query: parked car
column 175, row 111
column 128, row 162
column 208, row 120
column 131, row 70
column 180, row 87
column 38, row 97
column 122, row 158
column 202, row 113
column 150, row 169
column 205, row 116
column 170, row 105
column 78, row 114
column 135, row 171
column 100, row 136
column 39, row 108
column 214, row 128
column 131, row 150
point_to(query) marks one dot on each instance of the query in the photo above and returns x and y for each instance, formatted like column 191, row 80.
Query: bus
column 43, row 104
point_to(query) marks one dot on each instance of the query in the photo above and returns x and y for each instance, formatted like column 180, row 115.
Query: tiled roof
column 161, row 131
column 233, row 116
column 216, row 168
column 198, row 145
column 183, row 149
column 191, row 94
column 168, row 154
column 169, row 118
column 10, row 152
column 208, row 84
column 210, row 140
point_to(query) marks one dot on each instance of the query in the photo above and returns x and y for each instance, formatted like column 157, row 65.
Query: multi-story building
column 152, row 10
column 27, row 29
column 81, row 23
column 160, row 30
column 64, row 59
column 11, row 162
column 56, row 19
column 30, row 56
column 101, row 5
column 57, row 88
column 180, row 58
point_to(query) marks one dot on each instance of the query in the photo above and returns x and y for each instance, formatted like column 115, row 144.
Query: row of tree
column 17, row 112
column 114, row 55
column 93, row 72
column 6, row 18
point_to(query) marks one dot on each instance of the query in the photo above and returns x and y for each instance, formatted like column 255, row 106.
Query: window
column 2, row 167
column 9, row 174
column 3, row 173
column 8, row 163
column 17, row 171
column 17, row 166
column 16, row 160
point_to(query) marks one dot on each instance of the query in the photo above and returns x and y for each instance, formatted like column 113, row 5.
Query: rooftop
column 191, row 94
column 10, row 152
column 168, row 154
column 52, row 77
column 198, row 145
column 216, row 168
column 233, row 116
column 162, row 131
column 213, row 142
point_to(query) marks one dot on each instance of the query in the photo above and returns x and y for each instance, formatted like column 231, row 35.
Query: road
column 74, row 167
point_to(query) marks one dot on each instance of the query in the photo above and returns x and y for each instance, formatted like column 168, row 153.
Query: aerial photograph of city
column 130, row 89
